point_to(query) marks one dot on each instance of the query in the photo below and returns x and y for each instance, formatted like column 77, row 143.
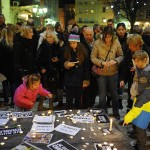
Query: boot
column 141, row 138
column 120, row 103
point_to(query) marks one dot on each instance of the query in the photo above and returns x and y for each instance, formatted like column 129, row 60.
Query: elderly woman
column 49, row 65
column 107, row 53
column 24, row 54
column 135, row 43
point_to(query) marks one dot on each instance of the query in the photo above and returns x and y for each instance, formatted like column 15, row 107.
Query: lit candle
column 5, row 138
column 57, row 120
column 99, row 128
column 83, row 129
column 2, row 143
column 14, row 118
column 84, row 146
column 70, row 110
column 71, row 137
column 63, row 122
column 43, row 114
column 111, row 144
column 111, row 123
column 21, row 132
column 104, row 133
column 49, row 112
column 87, row 143
column 82, row 138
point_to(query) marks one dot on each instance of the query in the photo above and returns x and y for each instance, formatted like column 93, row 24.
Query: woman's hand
column 43, row 71
column 105, row 63
column 71, row 64
column 122, row 83
column 112, row 62
column 55, row 59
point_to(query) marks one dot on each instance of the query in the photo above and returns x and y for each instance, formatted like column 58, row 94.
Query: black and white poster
column 102, row 119
column 61, row 145
column 104, row 146
column 10, row 131
column 25, row 114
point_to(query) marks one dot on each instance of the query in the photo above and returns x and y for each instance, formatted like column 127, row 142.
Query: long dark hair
column 108, row 31
column 81, row 53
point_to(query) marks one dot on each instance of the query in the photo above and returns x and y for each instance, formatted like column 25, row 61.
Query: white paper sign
column 71, row 130
column 4, row 114
column 44, row 119
column 42, row 127
column 83, row 119
column 3, row 121
column 25, row 114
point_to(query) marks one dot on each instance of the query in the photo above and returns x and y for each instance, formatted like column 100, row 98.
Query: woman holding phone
column 76, row 71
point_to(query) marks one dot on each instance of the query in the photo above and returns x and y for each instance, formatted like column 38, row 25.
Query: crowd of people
column 51, row 61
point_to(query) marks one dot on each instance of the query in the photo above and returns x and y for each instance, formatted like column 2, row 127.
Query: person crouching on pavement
column 139, row 115
column 26, row 93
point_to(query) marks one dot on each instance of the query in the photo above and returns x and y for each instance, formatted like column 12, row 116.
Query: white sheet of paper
column 71, row 130
column 83, row 119
column 44, row 119
column 42, row 127
column 3, row 121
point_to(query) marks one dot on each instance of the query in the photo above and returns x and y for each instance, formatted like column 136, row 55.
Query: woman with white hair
column 49, row 65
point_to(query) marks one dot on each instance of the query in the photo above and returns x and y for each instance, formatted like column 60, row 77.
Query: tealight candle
column 94, row 133
column 71, row 137
column 70, row 110
column 6, row 126
column 5, row 138
column 21, row 132
column 43, row 114
column 115, row 148
column 2, row 143
column 99, row 145
column 63, row 122
column 82, row 138
column 83, row 129
column 98, row 121
column 99, row 128
column 84, row 146
column 105, row 143
column 87, row 143
column 57, row 120
column 14, row 118
column 104, row 133
column 49, row 112
column 19, row 125
column 111, row 144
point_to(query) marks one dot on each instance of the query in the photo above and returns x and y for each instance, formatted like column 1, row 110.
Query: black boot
column 141, row 138
column 120, row 103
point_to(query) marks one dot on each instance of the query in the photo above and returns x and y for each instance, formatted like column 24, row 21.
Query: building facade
column 89, row 12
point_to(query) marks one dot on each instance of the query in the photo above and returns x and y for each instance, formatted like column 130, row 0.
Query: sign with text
column 71, row 130
column 83, row 119
column 44, row 119
column 104, row 146
column 4, row 114
column 42, row 127
column 10, row 131
column 61, row 145
column 25, row 114
column 102, row 118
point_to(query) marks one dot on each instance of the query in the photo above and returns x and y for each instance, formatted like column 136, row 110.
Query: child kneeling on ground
column 139, row 115
column 26, row 93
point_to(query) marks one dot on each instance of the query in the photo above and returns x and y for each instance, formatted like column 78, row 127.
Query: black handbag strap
column 107, row 54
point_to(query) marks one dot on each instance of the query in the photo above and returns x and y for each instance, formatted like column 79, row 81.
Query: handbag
column 96, row 70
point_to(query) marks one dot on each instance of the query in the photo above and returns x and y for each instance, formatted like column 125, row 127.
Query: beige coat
column 99, row 53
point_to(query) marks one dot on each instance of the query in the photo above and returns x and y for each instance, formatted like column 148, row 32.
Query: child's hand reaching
column 50, row 95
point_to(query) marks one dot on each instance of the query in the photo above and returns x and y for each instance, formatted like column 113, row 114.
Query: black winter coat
column 6, row 61
column 24, row 56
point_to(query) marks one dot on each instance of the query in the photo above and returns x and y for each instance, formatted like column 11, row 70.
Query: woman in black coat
column 24, row 54
column 6, row 64
column 49, row 64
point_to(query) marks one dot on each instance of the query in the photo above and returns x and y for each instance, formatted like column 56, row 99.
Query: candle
column 104, row 133
column 43, row 114
column 2, row 143
column 21, row 132
column 5, row 138
column 71, row 137
column 49, row 112
column 87, row 143
column 111, row 123
column 84, row 146
column 14, row 118
column 83, row 129
column 111, row 144
column 82, row 138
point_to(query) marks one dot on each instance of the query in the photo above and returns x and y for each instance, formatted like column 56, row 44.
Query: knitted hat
column 73, row 37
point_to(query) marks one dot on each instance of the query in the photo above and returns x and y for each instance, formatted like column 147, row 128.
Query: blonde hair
column 7, row 35
column 25, row 30
column 141, row 55
column 135, row 39
column 53, row 35
column 31, row 79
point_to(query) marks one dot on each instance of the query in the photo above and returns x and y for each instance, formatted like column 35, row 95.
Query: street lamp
column 39, row 12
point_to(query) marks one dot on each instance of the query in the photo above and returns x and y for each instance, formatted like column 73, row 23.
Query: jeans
column 108, row 83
